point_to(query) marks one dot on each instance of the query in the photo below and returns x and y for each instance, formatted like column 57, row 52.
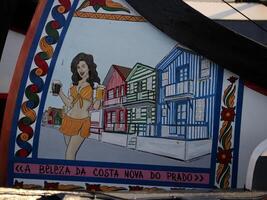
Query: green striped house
column 140, row 100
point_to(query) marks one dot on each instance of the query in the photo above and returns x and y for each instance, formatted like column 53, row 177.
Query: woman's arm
column 66, row 100
column 96, row 104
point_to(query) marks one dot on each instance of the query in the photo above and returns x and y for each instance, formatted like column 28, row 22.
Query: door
column 181, row 118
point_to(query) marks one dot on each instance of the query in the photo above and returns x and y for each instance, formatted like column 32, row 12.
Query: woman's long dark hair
column 89, row 60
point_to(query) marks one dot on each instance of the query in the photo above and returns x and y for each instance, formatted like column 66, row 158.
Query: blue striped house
column 186, row 89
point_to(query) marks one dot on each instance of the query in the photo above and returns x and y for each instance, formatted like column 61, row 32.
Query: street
column 52, row 146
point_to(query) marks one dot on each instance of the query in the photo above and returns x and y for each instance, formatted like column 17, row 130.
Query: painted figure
column 77, row 120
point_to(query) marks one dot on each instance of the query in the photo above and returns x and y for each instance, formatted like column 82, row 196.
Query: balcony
column 115, row 127
column 178, row 91
column 113, row 102
column 142, row 129
column 141, row 98
column 185, row 131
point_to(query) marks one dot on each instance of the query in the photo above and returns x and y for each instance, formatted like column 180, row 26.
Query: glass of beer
column 100, row 92
column 56, row 85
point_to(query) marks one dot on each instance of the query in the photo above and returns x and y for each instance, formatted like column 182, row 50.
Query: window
column 131, row 88
column 200, row 110
column 121, row 114
column 113, row 117
column 138, row 113
column 122, row 90
column 181, row 112
column 149, row 83
column 149, row 112
column 182, row 73
column 111, row 94
column 164, row 112
column 204, row 68
column 165, row 78
column 109, row 117
column 117, row 92
column 139, row 86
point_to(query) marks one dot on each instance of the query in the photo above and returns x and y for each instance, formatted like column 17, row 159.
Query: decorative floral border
column 224, row 156
column 116, row 17
column 35, row 86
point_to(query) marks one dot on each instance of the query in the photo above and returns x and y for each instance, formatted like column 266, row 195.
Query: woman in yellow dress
column 76, row 122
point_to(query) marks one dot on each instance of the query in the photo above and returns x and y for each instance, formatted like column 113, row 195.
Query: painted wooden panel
column 169, row 120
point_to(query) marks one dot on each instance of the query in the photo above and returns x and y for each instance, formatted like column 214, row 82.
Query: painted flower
column 98, row 3
column 232, row 79
column 228, row 114
column 224, row 156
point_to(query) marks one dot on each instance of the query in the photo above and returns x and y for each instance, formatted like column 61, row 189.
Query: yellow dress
column 72, row 126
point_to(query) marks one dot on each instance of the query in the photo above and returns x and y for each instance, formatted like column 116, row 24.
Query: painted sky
column 110, row 42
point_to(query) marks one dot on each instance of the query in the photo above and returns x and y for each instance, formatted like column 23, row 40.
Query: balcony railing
column 182, row 89
column 115, row 127
column 96, row 127
column 186, row 132
column 147, row 95
column 114, row 101
column 140, row 129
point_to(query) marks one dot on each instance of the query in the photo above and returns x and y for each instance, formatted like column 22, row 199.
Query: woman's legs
column 67, row 139
column 73, row 147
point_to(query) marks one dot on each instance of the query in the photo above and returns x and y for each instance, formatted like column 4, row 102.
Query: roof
column 136, row 67
column 123, row 71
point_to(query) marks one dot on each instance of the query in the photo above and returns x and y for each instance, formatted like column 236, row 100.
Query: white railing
column 113, row 127
column 185, row 87
column 113, row 101
column 186, row 132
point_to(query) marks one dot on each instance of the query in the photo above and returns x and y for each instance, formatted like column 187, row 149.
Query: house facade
column 115, row 114
column 185, row 106
column 140, row 100
column 52, row 116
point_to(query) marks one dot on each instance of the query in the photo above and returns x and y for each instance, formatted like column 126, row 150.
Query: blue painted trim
column 48, row 79
column 217, row 109
column 239, row 105
column 27, row 68
column 158, row 105
column 175, row 52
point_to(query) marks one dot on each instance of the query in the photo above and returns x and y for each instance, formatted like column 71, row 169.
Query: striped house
column 53, row 116
column 115, row 114
column 140, row 100
column 185, row 105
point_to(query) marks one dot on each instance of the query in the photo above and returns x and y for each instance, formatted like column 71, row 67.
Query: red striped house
column 115, row 114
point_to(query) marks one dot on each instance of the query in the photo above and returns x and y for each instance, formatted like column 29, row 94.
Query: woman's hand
column 97, row 105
